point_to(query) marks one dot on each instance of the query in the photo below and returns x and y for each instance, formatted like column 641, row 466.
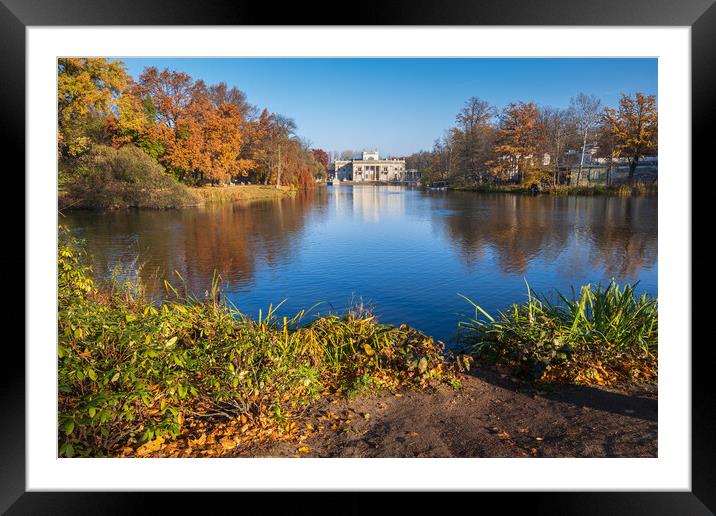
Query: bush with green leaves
column 126, row 177
column 599, row 335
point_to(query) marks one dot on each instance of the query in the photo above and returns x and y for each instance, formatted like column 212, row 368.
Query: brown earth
column 493, row 415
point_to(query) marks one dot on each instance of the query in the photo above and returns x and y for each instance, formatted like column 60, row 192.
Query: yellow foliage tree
column 87, row 91
column 635, row 126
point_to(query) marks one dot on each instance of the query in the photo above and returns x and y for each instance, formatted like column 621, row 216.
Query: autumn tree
column 220, row 94
column 586, row 110
column 208, row 142
column 170, row 93
column 87, row 92
column 608, row 147
column 321, row 156
column 556, row 125
column 517, row 139
column 199, row 132
column 635, row 125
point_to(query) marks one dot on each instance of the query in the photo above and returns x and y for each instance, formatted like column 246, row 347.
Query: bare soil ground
column 493, row 415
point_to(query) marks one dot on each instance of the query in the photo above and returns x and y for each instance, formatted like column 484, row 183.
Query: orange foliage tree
column 635, row 126
column 517, row 140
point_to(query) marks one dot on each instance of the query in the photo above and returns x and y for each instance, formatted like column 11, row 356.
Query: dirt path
column 491, row 416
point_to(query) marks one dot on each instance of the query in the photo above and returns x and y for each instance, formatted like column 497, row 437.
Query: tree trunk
column 278, row 169
column 632, row 168
column 581, row 161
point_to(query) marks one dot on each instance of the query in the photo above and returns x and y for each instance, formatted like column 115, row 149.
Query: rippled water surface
column 406, row 252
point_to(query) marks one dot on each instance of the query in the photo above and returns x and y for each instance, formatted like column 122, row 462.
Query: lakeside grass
column 196, row 196
column 212, row 194
column 599, row 335
column 135, row 374
column 623, row 190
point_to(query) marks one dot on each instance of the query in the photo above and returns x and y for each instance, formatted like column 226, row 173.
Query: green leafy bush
column 127, row 177
column 600, row 335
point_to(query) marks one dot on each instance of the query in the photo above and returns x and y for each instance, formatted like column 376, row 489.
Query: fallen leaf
column 228, row 443
column 150, row 446
column 503, row 435
column 422, row 365
column 198, row 442
column 304, row 449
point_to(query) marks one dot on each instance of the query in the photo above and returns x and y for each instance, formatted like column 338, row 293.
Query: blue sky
column 400, row 106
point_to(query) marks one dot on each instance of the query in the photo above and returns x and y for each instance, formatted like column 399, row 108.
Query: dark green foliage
column 599, row 335
column 127, row 177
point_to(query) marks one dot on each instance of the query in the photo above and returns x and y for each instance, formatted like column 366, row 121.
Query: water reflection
column 229, row 239
column 618, row 235
column 407, row 251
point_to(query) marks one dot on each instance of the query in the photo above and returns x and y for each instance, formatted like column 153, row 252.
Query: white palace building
column 370, row 168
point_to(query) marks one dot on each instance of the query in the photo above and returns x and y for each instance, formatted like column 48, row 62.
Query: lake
column 404, row 251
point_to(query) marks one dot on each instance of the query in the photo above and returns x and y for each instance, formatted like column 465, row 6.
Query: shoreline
column 204, row 195
column 221, row 194
column 624, row 190
column 207, row 195
column 492, row 415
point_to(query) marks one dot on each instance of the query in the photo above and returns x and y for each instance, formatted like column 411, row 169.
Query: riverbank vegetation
column 598, row 335
column 134, row 374
column 196, row 134
column 105, row 177
column 553, row 148
column 623, row 190
column 212, row 195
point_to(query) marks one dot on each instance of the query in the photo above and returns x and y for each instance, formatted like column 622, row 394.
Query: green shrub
column 600, row 335
column 127, row 177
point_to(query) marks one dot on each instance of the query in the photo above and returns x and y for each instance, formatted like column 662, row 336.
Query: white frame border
column 670, row 471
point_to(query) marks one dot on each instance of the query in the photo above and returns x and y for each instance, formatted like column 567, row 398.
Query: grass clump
column 212, row 194
column 600, row 335
column 134, row 374
column 109, row 178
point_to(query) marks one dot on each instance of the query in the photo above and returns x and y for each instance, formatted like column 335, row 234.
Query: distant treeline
column 527, row 144
column 198, row 133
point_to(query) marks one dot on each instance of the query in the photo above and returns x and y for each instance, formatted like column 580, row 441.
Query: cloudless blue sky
column 400, row 106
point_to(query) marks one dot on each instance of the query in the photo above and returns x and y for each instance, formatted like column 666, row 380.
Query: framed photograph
column 428, row 251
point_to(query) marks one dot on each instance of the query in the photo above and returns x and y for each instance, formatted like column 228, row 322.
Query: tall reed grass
column 597, row 335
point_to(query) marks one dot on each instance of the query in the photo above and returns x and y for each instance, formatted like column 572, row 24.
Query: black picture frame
column 700, row 15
